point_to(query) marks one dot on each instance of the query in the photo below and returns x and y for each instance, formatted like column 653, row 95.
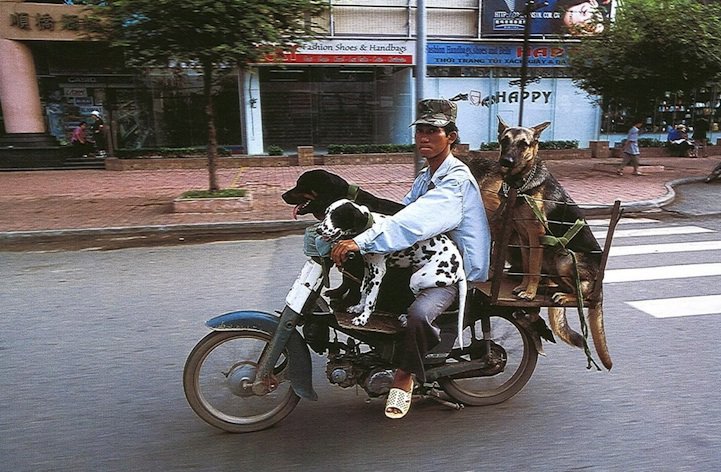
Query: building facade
column 353, row 86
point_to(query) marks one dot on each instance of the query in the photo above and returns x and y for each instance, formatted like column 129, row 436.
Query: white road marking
column 681, row 306
column 663, row 231
column 622, row 221
column 661, row 273
column 665, row 248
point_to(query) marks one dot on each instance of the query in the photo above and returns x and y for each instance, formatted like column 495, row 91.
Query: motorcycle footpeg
column 433, row 395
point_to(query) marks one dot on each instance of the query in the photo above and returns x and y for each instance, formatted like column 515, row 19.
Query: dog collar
column 370, row 222
column 525, row 183
column 353, row 192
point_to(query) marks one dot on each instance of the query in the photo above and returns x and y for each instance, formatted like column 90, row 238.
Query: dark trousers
column 421, row 335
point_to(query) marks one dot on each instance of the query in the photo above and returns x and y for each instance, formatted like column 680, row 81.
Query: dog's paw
column 526, row 295
column 355, row 309
column 563, row 298
column 360, row 320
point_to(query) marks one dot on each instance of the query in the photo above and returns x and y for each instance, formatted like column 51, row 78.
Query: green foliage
column 274, row 150
column 194, row 32
column 650, row 142
column 369, row 148
column 207, row 35
column 650, row 47
column 222, row 193
column 168, row 152
column 572, row 144
column 494, row 146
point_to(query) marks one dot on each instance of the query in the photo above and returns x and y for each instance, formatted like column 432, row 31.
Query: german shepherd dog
column 523, row 170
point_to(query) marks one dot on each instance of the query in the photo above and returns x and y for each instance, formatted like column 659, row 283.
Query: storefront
column 328, row 93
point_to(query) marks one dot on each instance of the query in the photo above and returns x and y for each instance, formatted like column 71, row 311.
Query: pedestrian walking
column 631, row 151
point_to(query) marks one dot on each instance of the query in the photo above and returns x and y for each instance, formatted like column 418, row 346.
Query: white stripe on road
column 663, row 231
column 662, row 272
column 682, row 306
column 664, row 248
column 622, row 221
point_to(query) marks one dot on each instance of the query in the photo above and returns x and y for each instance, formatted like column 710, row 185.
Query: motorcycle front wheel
column 507, row 359
column 217, row 378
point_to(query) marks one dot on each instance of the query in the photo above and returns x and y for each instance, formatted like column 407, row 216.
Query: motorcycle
column 253, row 368
column 715, row 174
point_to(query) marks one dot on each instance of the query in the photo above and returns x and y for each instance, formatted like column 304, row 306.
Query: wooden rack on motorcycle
column 253, row 368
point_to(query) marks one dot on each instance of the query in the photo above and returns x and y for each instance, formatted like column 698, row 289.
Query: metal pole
column 421, row 65
column 524, row 59
column 530, row 7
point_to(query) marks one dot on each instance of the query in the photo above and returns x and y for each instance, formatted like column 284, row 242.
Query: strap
column 353, row 192
column 550, row 240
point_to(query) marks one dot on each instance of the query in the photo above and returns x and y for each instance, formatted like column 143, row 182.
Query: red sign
column 300, row 58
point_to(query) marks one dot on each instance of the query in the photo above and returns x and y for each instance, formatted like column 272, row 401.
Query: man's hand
column 340, row 251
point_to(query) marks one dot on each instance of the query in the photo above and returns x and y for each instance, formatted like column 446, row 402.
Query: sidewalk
column 86, row 202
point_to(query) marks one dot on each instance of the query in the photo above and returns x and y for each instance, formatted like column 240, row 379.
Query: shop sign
column 48, row 22
column 494, row 55
column 347, row 52
column 83, row 101
column 75, row 92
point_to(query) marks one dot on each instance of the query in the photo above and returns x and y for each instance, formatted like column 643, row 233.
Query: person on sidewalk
column 79, row 140
column 97, row 129
column 444, row 198
column 699, row 137
column 631, row 150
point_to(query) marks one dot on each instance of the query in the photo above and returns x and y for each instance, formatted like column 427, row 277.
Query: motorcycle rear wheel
column 215, row 382
column 511, row 362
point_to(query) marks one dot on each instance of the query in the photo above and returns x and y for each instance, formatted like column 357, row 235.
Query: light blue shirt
column 453, row 205
column 632, row 139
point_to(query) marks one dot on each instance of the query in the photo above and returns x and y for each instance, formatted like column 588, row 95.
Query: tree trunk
column 212, row 135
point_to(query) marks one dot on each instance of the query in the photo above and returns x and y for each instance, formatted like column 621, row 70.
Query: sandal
column 398, row 403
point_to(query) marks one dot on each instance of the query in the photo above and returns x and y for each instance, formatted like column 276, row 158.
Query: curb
column 210, row 231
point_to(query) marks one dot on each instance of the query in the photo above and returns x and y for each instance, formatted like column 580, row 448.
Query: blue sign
column 494, row 55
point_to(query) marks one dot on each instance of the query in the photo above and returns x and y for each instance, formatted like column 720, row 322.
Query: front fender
column 300, row 369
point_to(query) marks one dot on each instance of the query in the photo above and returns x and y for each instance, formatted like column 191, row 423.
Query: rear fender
column 300, row 369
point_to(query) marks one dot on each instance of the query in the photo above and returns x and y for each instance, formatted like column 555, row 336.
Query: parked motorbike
column 253, row 368
column 715, row 174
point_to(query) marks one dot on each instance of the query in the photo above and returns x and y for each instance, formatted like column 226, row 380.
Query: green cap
column 436, row 112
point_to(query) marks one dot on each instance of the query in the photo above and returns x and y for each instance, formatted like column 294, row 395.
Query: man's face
column 432, row 141
column 584, row 18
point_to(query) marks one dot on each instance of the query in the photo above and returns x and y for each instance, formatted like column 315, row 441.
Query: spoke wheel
column 217, row 379
column 508, row 361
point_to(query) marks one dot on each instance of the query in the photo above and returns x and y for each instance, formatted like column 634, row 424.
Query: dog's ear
column 502, row 125
column 360, row 221
column 538, row 129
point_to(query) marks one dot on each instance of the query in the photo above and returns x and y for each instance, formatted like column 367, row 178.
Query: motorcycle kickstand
column 433, row 394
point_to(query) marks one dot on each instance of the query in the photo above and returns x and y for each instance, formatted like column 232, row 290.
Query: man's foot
column 637, row 173
column 399, row 398
column 619, row 172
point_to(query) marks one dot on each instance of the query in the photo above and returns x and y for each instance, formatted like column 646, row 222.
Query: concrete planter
column 213, row 205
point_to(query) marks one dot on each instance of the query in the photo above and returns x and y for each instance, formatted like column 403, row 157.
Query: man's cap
column 95, row 112
column 436, row 112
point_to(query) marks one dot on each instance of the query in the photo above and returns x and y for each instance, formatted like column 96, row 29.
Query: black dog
column 313, row 193
column 316, row 189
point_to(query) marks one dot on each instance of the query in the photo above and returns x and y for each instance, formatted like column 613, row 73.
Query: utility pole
column 530, row 7
column 421, row 66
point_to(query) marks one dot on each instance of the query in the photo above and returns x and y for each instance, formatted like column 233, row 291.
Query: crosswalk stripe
column 681, row 306
column 665, row 248
column 663, row 231
column 662, row 272
column 622, row 221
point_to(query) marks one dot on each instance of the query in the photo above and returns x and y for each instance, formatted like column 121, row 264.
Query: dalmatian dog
column 436, row 262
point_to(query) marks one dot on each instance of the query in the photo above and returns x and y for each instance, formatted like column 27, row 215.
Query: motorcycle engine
column 378, row 382
column 349, row 370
